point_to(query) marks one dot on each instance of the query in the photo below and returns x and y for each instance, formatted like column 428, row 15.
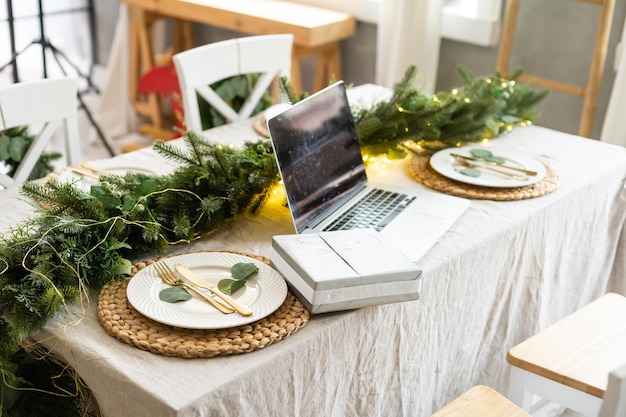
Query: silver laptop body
column 324, row 176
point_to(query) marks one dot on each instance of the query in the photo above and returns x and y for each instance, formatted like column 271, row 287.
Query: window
column 473, row 21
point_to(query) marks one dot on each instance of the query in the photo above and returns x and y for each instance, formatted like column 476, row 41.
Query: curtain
column 409, row 34
column 115, row 114
column 614, row 128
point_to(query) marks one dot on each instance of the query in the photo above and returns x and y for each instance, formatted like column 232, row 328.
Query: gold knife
column 84, row 173
column 191, row 276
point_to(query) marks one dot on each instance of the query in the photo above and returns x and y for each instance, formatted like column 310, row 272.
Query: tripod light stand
column 59, row 57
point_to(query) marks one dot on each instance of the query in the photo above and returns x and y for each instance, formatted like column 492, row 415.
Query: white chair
column 197, row 68
column 569, row 362
column 45, row 105
column 614, row 401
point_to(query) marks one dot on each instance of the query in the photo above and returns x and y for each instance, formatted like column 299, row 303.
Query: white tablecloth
column 504, row 271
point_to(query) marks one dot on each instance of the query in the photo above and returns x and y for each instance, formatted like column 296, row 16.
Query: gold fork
column 169, row 277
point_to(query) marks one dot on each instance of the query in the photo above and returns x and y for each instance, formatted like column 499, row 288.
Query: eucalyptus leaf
column 147, row 187
column 495, row 159
column 110, row 201
column 174, row 295
column 236, row 285
column 470, row 172
column 122, row 268
column 224, row 285
column 128, row 204
column 481, row 153
column 487, row 155
column 230, row 286
column 243, row 270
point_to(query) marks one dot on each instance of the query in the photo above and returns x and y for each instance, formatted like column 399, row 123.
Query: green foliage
column 484, row 107
column 174, row 295
column 240, row 272
column 14, row 144
column 234, row 91
column 34, row 372
column 80, row 240
column 288, row 93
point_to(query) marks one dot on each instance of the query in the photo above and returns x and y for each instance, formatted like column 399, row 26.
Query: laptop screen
column 318, row 153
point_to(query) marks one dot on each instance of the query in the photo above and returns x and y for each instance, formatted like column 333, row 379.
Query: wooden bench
column 317, row 32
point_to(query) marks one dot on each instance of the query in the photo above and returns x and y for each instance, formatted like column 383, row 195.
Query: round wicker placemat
column 259, row 124
column 123, row 322
column 420, row 170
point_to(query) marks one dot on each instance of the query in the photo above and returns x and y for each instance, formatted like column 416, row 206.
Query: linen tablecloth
column 502, row 272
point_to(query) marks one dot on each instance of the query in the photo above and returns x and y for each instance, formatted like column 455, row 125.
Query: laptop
column 326, row 184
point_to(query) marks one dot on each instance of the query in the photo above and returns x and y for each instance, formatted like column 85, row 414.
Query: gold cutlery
column 470, row 164
column 169, row 277
column 196, row 280
column 482, row 161
column 84, row 173
column 90, row 167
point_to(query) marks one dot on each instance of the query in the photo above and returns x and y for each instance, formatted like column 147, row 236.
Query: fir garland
column 80, row 240
column 483, row 108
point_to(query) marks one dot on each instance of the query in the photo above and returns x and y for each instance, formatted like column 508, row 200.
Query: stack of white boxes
column 332, row 271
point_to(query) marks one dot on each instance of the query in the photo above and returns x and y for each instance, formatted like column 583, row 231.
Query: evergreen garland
column 483, row 108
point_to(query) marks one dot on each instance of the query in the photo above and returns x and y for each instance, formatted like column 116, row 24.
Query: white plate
column 447, row 166
column 263, row 293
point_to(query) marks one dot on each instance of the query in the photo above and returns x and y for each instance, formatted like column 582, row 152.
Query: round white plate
column 263, row 293
column 446, row 165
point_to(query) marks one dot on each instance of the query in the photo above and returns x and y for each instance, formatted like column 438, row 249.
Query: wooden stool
column 569, row 362
column 481, row 401
column 592, row 89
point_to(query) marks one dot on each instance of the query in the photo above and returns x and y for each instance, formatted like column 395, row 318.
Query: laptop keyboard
column 376, row 209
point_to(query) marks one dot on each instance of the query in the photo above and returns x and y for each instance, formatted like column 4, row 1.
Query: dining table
column 502, row 272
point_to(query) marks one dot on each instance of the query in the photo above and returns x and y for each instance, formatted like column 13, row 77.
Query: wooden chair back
column 43, row 106
column 197, row 68
column 591, row 90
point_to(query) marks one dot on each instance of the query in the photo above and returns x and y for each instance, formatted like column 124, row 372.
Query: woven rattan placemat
column 259, row 124
column 420, row 170
column 123, row 322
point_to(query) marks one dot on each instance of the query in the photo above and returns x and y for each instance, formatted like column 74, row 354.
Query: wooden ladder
column 590, row 91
